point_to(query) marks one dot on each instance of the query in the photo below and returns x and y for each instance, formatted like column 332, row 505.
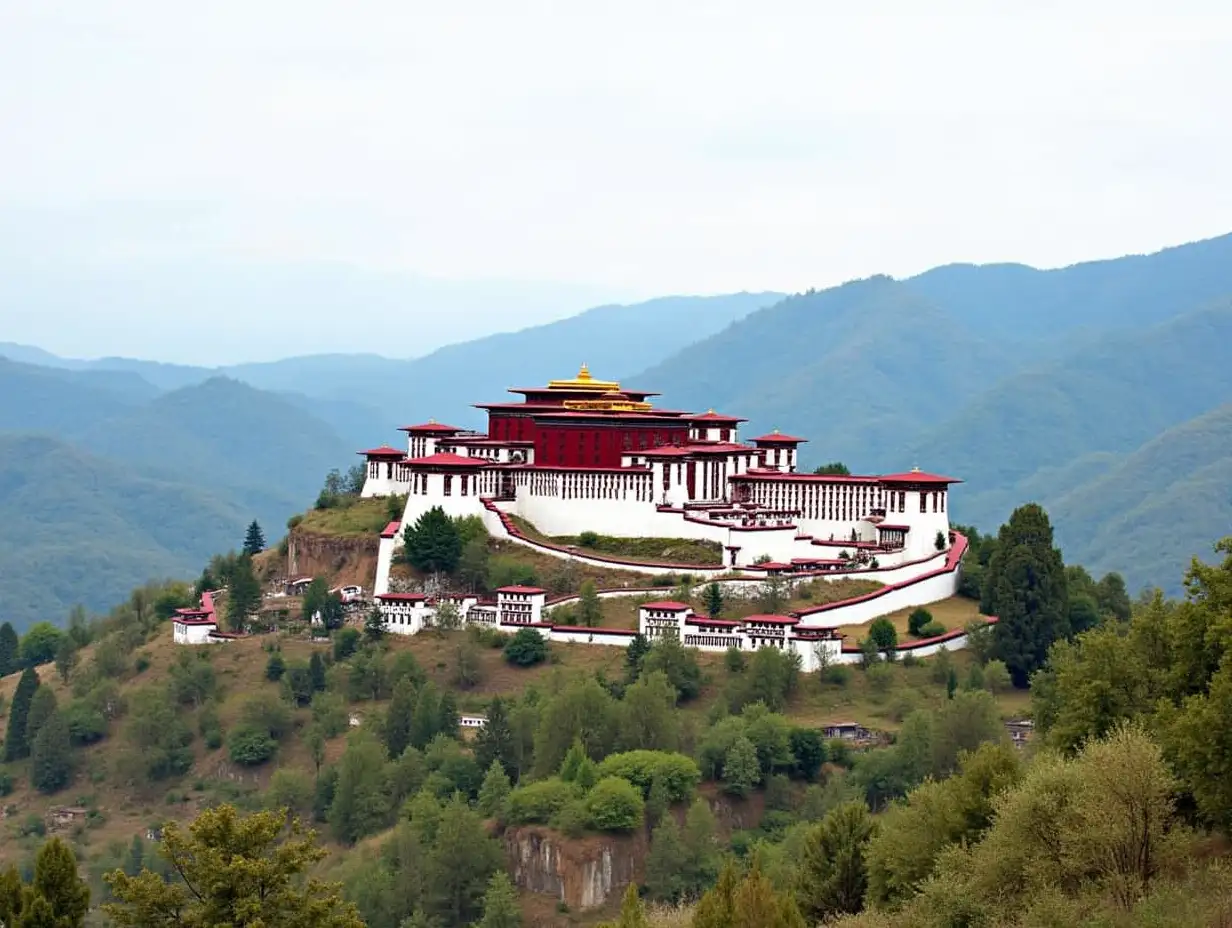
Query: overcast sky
column 567, row 153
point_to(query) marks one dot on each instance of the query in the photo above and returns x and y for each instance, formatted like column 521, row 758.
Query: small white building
column 666, row 618
column 520, row 605
column 195, row 625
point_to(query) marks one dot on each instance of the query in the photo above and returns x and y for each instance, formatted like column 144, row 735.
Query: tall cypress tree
column 316, row 671
column 51, row 756
column 254, row 539
column 57, row 882
column 1025, row 588
column 10, row 650
column 244, row 596
column 398, row 718
column 16, row 745
column 494, row 742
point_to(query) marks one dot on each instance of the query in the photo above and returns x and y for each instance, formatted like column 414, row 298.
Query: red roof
column 713, row 416
column 402, row 597
column 382, row 452
column 774, row 565
column 391, row 530
column 430, row 427
column 781, row 439
column 444, row 459
column 916, row 476
column 771, row 619
column 186, row 620
column 667, row 605
column 699, row 622
column 722, row 447
column 521, row 589
column 662, row 452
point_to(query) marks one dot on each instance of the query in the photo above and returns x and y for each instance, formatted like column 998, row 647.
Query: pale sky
column 530, row 159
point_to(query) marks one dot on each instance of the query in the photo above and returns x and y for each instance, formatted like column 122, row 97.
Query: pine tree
column 500, row 904
column 424, row 718
column 66, row 657
column 10, row 650
column 833, row 874
column 665, row 865
column 494, row 791
column 756, row 903
column 42, row 707
column 632, row 913
column 700, row 837
column 1025, row 587
column 254, row 539
column 713, row 600
column 638, row 648
column 316, row 671
column 51, row 757
column 398, row 718
column 716, row 909
column 16, row 744
column 374, row 624
column 433, row 543
column 447, row 718
column 57, row 883
column 243, row 595
column 495, row 742
column 590, row 612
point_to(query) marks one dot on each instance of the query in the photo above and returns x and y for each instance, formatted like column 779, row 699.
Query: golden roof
column 583, row 381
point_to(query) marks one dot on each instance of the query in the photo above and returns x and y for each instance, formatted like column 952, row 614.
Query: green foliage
column 539, row 802
column 10, row 650
column 500, row 904
column 884, row 636
column 56, row 896
column 834, row 467
column 526, row 648
column 346, row 643
column 741, row 770
column 712, row 600
column 771, row 677
column 494, row 792
column 808, row 751
column 615, row 804
column 51, row 758
column 16, row 740
column 243, row 594
column 677, row 774
column 587, row 539
column 833, row 872
column 589, row 611
column 1026, row 589
column 678, row 663
column 932, row 630
column 250, row 746
column 917, row 620
column 275, row 667
column 473, row 564
column 433, row 543
column 234, row 870
column 647, row 714
column 361, row 802
column 39, row 644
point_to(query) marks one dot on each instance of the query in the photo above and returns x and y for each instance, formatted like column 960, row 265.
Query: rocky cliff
column 344, row 559
column 582, row 872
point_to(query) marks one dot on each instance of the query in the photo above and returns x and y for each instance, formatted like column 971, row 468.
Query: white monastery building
column 584, row 455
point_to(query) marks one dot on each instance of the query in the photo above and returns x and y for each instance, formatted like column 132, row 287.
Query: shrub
column 615, row 805
column 588, row 539
column 573, row 819
column 880, row 676
column 837, row 674
column 275, row 667
column 142, row 664
column 538, row 803
column 346, row 643
column 6, row 783
column 250, row 745
column 678, row 774
column 917, row 620
column 85, row 723
column 932, row 630
column 526, row 648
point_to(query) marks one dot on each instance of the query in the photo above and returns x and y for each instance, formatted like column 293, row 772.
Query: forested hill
column 1016, row 380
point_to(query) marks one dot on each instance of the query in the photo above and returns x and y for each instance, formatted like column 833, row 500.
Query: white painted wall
column 192, row 634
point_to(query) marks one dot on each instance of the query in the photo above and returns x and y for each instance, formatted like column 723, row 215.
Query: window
column 923, row 502
column 448, row 484
column 465, row 480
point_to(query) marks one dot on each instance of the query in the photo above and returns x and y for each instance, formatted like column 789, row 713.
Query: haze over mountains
column 1102, row 390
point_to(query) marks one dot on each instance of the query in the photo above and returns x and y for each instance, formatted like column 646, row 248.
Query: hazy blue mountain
column 77, row 528
column 1019, row 302
column 62, row 402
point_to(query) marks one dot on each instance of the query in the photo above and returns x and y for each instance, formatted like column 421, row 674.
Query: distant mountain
column 225, row 434
column 62, row 402
column 76, row 528
column 854, row 369
column 1019, row 302
column 1157, row 507
column 614, row 340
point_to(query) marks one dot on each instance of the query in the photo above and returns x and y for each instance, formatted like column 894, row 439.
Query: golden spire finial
column 915, row 469
column 776, row 431
column 584, row 372
column 710, row 411
column 431, row 422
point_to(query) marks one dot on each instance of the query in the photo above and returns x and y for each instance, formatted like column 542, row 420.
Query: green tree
column 275, row 667
column 243, row 594
column 648, row 717
column 314, row 598
column 16, row 742
column 700, row 838
column 996, row 677
column 254, row 539
column 741, row 770
column 834, row 467
column 712, row 600
column 462, row 861
column 678, row 663
column 494, row 792
column 473, row 564
column 374, row 624
column 756, row 903
column 917, row 620
column 666, row 862
column 361, row 804
column 884, row 636
column 10, row 650
column 1113, row 598
column 590, row 610
column 333, row 613
column 632, row 913
column 526, row 648
column 64, row 896
column 494, row 742
column 51, row 756
column 42, row 707
column 808, row 749
column 39, row 644
column 833, row 874
column 615, row 804
column 433, row 543
column 500, row 904
column 316, row 672
column 233, row 870
column 398, row 718
column 66, row 657
column 716, row 908
column 1025, row 587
